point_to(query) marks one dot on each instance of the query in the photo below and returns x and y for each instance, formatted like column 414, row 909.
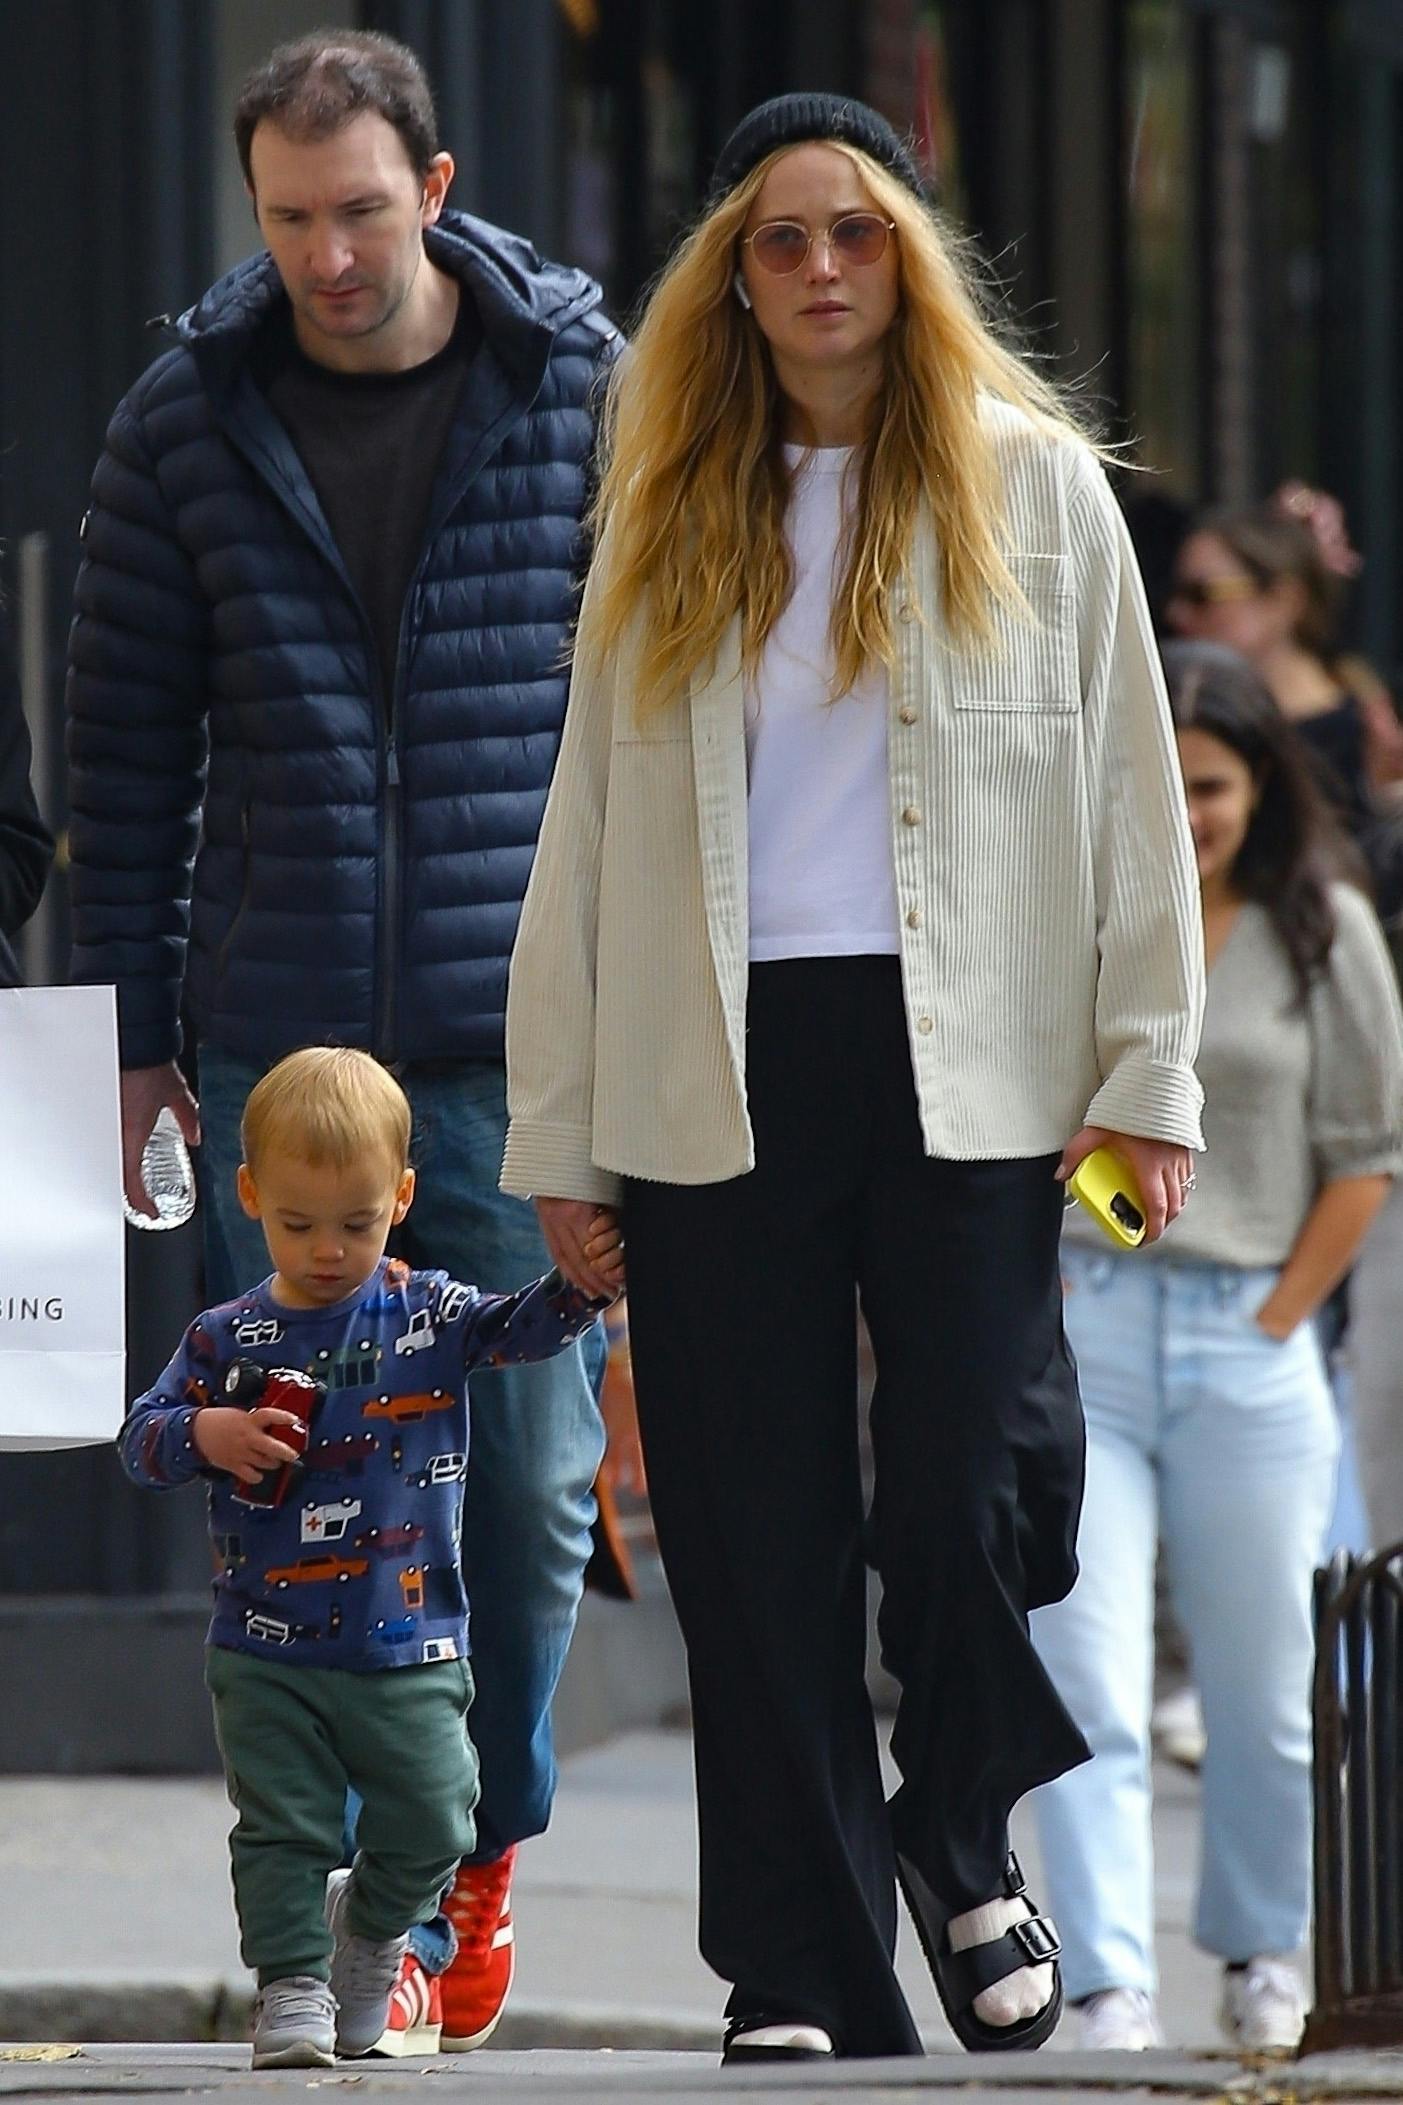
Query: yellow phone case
column 1107, row 1188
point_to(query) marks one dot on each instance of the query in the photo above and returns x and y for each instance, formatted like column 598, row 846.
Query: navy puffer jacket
column 252, row 827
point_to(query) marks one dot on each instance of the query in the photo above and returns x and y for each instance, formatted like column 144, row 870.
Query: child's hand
column 604, row 1248
column 243, row 1443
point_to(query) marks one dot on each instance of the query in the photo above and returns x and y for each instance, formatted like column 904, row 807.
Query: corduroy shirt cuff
column 1151, row 1101
column 555, row 1162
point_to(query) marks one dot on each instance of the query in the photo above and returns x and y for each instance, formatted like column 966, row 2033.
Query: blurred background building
column 1193, row 206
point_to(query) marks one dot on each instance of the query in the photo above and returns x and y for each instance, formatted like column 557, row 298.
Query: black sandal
column 960, row 1976
column 734, row 2048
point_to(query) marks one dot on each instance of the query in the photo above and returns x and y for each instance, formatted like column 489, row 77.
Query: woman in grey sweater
column 1209, row 1413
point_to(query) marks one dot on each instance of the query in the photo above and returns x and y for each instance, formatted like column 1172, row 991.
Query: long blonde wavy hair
column 694, row 488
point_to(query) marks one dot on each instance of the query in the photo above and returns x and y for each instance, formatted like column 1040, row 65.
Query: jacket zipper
column 221, row 961
column 387, row 926
column 387, row 957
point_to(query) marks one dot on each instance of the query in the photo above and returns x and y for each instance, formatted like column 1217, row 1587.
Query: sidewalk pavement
column 116, row 1920
column 560, row 2078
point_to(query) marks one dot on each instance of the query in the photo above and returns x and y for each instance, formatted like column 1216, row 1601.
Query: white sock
column 810, row 2038
column 1019, row 1995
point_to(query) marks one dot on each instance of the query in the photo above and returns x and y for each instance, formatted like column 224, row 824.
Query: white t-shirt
column 822, row 882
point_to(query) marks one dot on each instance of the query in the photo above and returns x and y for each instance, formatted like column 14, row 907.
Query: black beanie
column 789, row 120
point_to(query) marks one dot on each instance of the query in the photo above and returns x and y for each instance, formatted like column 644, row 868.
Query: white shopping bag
column 62, row 1367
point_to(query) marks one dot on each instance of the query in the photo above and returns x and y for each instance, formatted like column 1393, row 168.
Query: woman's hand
column 1162, row 1170
column 1274, row 1323
column 585, row 1244
column 243, row 1443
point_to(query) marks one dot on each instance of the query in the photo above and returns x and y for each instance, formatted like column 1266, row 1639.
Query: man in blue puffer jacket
column 317, row 685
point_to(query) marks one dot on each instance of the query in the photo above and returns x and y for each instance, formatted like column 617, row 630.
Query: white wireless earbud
column 738, row 285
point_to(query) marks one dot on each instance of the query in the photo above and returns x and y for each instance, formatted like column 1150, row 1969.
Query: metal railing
column 1357, row 1716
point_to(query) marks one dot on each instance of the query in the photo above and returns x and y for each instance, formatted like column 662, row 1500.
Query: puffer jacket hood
column 260, row 838
column 521, row 300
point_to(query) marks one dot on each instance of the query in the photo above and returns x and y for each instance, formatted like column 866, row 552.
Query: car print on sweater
column 359, row 1566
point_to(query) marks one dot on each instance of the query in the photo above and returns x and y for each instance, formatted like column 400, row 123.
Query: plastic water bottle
column 167, row 1175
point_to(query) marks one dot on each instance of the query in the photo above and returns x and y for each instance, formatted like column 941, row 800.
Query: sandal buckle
column 1037, row 1939
column 1014, row 1881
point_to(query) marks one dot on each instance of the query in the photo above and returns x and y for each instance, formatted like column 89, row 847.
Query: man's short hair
column 317, row 84
column 327, row 1104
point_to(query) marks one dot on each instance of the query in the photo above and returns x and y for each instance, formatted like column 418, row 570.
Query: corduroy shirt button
column 906, row 611
column 910, row 817
column 925, row 1025
column 913, row 918
column 906, row 715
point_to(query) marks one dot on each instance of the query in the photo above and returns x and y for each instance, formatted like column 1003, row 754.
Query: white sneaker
column 1119, row 2020
column 1264, row 2006
column 1177, row 1730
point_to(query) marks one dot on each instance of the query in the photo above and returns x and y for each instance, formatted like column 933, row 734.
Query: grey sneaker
column 294, row 2024
column 363, row 1973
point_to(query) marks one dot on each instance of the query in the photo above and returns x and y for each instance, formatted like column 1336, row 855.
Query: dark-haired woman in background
column 1265, row 581
column 1208, row 1408
column 1269, row 581
column 25, row 848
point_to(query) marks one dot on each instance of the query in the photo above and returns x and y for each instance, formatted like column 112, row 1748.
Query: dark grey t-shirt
column 372, row 444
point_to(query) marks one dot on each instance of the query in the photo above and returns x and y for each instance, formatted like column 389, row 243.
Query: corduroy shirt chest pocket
column 1030, row 663
column 666, row 727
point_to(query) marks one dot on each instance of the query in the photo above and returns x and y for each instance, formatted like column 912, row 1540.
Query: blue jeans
column 537, row 1436
column 1205, row 1432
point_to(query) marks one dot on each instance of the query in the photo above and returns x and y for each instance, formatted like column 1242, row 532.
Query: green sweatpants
column 292, row 1738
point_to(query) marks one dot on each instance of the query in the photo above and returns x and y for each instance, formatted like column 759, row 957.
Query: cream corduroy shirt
column 1051, row 935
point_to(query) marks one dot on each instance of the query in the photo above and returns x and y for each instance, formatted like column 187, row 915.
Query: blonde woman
column 864, row 908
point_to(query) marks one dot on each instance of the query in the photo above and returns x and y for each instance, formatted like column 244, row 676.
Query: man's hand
column 585, row 1244
column 243, row 1443
column 1162, row 1170
column 145, row 1093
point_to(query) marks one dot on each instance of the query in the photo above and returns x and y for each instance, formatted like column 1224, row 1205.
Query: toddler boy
column 338, row 1649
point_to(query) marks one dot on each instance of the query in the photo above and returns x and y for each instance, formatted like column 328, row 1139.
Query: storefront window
column 1286, row 280
column 936, row 135
column 1164, row 264
column 591, row 149
column 909, row 62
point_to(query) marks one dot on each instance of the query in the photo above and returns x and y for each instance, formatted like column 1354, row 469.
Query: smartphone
column 1106, row 1186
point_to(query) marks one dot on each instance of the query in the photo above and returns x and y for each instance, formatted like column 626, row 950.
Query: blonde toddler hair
column 327, row 1104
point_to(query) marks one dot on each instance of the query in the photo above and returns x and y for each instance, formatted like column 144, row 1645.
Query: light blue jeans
column 537, row 1436
column 1207, row 1434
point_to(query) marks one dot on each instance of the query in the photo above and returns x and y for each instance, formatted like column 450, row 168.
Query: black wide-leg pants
column 742, row 1317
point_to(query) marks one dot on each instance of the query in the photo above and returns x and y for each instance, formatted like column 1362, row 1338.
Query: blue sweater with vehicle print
column 359, row 1566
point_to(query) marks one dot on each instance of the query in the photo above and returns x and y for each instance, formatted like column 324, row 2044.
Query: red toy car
column 255, row 1388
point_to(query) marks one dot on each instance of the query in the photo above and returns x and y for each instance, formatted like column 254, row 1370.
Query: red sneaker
column 416, row 2012
column 475, row 1986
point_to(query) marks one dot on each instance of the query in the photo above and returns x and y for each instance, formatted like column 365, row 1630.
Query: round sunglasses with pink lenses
column 781, row 246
